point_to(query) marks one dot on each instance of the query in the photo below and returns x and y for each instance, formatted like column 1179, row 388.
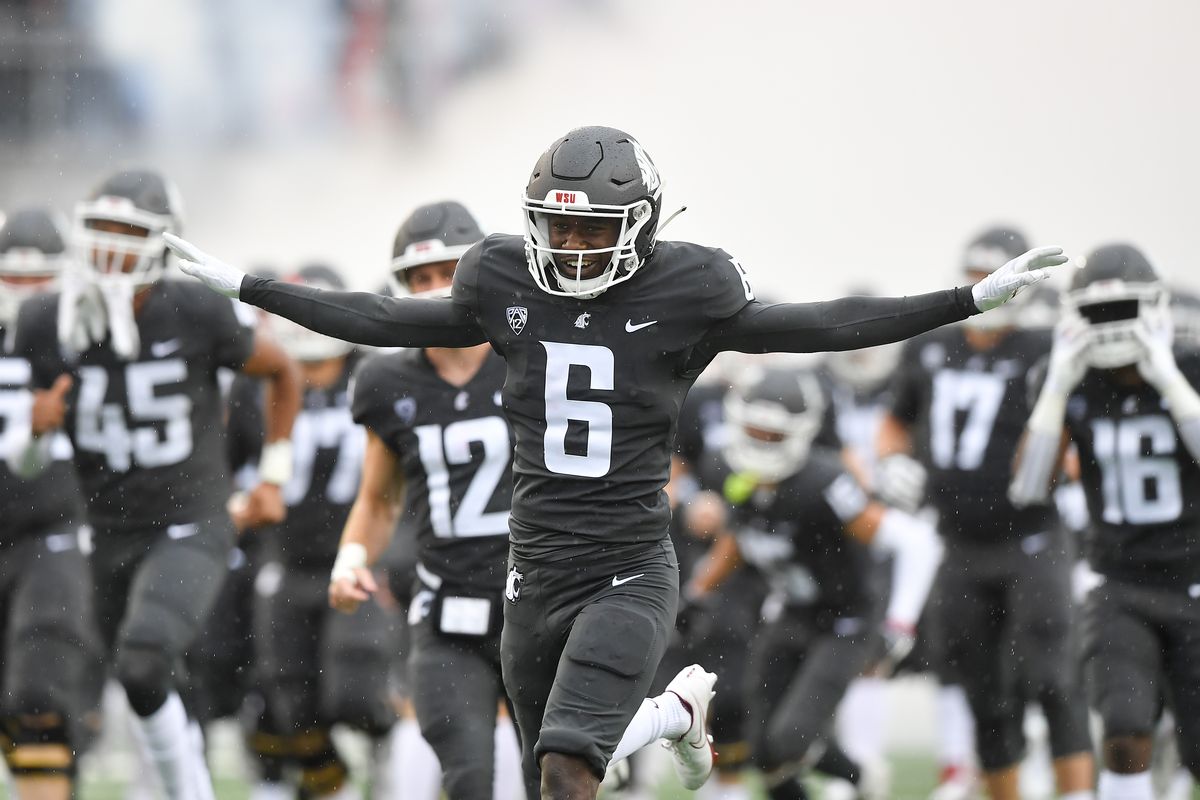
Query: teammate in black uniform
column 45, row 588
column 603, row 331
column 315, row 668
column 809, row 525
column 437, row 437
column 143, row 412
column 961, row 402
column 1115, row 389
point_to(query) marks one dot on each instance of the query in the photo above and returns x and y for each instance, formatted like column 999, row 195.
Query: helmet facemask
column 1113, row 310
column 121, row 257
column 559, row 271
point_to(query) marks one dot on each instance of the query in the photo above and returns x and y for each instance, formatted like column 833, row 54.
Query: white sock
column 1086, row 794
column 658, row 717
column 272, row 790
column 956, row 727
column 169, row 747
column 414, row 764
column 1138, row 786
column 203, row 780
column 862, row 719
column 507, row 782
column 381, row 761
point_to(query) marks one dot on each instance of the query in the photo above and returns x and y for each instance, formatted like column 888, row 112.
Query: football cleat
column 692, row 753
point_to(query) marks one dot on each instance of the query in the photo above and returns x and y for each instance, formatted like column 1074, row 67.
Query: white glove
column 1156, row 334
column 212, row 272
column 900, row 482
column 1068, row 364
column 1024, row 270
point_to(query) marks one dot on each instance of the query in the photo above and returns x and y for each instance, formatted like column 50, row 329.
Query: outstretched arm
column 365, row 318
column 854, row 322
column 845, row 324
column 359, row 317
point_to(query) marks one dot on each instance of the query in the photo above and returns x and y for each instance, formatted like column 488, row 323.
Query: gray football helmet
column 33, row 253
column 773, row 414
column 433, row 233
column 1116, row 287
column 594, row 172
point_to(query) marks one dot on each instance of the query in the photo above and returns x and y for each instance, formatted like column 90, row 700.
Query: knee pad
column 322, row 770
column 38, row 744
column 147, row 675
column 731, row 757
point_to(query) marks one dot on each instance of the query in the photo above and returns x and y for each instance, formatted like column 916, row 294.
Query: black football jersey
column 455, row 449
column 327, row 455
column 967, row 411
column 1142, row 484
column 701, row 427
column 795, row 534
column 31, row 507
column 147, row 433
column 595, row 386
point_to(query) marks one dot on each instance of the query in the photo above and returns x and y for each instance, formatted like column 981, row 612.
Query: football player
column 960, row 404
column 715, row 627
column 1116, row 390
column 603, row 329
column 126, row 363
column 800, row 517
column 436, row 435
column 46, row 636
column 315, row 668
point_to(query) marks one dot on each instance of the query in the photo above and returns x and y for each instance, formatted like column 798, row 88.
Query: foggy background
column 826, row 145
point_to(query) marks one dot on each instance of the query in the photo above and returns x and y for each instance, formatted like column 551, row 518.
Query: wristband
column 350, row 556
column 275, row 463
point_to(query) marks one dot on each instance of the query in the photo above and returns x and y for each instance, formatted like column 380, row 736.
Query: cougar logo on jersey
column 582, row 320
column 512, row 589
column 517, row 317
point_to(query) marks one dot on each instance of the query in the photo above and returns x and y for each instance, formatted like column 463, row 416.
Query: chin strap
column 668, row 220
column 118, row 307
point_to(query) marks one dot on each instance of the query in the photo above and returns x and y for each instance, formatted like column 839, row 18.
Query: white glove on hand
column 900, row 482
column 212, row 272
column 1157, row 365
column 1072, row 337
column 1024, row 270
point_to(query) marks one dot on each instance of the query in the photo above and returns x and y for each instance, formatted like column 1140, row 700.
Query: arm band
column 916, row 553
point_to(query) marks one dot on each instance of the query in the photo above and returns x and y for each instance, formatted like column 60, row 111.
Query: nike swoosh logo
column 160, row 349
column 630, row 327
column 618, row 581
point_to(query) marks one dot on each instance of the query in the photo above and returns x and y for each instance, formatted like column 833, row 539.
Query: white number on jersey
column 101, row 428
column 745, row 278
column 439, row 446
column 16, row 403
column 1139, row 489
column 980, row 394
column 560, row 409
column 326, row 429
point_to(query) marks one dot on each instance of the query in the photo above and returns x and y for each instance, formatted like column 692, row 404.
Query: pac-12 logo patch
column 517, row 317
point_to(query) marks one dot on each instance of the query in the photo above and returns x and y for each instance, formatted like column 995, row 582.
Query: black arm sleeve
column 846, row 324
column 365, row 318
